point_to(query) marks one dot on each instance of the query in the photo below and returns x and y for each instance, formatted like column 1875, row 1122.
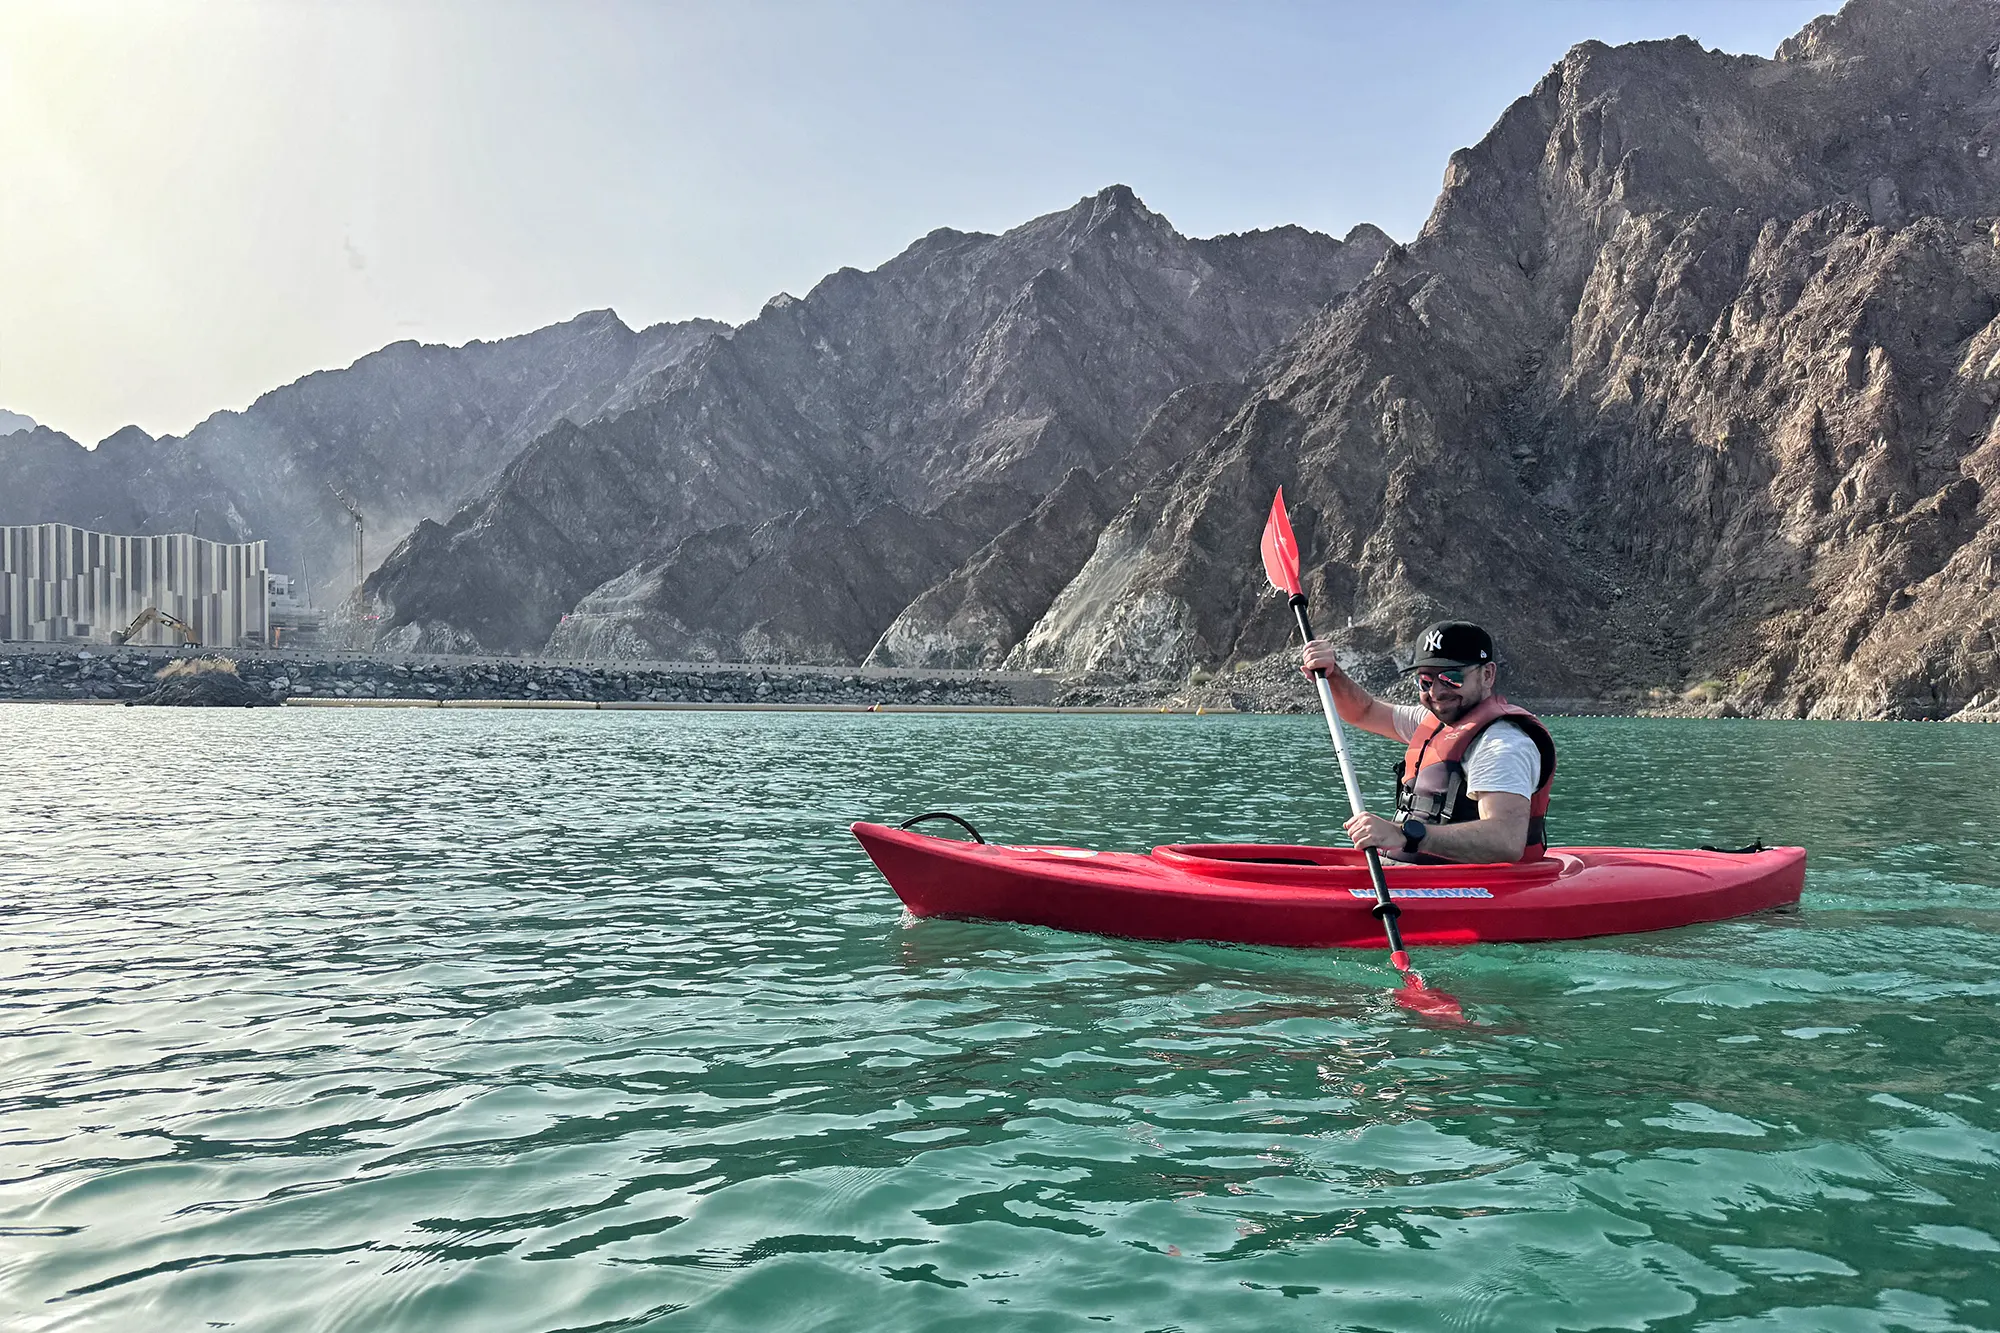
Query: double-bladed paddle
column 1281, row 563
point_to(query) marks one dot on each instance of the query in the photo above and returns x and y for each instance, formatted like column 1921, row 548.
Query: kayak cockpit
column 1210, row 857
column 1295, row 864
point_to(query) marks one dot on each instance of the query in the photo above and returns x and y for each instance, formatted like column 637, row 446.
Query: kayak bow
column 1269, row 893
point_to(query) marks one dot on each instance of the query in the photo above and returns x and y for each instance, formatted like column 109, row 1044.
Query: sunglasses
column 1453, row 677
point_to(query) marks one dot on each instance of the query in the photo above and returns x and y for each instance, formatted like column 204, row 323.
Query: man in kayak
column 1474, row 782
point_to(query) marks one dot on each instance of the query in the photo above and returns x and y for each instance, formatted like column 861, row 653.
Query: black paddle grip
column 1385, row 909
column 1299, row 610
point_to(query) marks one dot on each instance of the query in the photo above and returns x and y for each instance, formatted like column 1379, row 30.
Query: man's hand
column 1321, row 657
column 1375, row 831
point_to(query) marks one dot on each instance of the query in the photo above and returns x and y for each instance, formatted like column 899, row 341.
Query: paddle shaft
column 1386, row 910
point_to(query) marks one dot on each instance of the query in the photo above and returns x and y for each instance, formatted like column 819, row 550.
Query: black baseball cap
column 1452, row 643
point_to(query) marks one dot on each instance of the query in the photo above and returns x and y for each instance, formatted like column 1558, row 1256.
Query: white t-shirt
column 1504, row 758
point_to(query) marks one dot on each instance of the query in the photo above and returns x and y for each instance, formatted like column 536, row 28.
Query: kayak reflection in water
column 1473, row 785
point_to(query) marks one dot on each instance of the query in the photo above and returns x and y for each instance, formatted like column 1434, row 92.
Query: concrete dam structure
column 66, row 584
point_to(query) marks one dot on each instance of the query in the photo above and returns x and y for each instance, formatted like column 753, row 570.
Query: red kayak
column 1269, row 893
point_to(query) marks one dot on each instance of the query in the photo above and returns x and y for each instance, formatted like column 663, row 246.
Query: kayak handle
column 1753, row 848
column 943, row 814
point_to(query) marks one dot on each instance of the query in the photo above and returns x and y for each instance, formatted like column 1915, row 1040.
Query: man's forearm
column 1352, row 701
column 1477, row 840
column 1356, row 706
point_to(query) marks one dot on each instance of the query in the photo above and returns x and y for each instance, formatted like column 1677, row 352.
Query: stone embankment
column 79, row 674
column 1273, row 684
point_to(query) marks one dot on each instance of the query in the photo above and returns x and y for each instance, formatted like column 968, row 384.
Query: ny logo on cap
column 1434, row 642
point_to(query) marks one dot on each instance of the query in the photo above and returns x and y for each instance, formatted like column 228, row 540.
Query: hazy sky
column 202, row 201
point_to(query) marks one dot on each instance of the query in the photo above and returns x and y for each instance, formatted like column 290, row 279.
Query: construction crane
column 153, row 615
column 360, row 534
column 357, row 628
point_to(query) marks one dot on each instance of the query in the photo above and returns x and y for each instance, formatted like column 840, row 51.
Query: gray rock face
column 408, row 432
column 1691, row 375
column 803, row 587
column 51, row 479
column 796, row 485
column 982, row 610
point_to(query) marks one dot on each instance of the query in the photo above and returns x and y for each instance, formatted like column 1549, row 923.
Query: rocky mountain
column 794, row 487
column 51, row 478
column 1689, row 388
column 985, row 607
column 407, row 432
column 14, row 421
column 1689, row 384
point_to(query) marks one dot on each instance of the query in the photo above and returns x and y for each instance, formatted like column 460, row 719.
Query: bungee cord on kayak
column 965, row 824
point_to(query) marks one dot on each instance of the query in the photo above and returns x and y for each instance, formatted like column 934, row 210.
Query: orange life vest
column 1430, row 782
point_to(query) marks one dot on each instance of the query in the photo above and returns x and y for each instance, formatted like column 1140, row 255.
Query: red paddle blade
column 1281, row 549
column 1419, row 998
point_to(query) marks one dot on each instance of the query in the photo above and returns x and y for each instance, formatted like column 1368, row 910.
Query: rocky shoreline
column 131, row 675
column 1269, row 685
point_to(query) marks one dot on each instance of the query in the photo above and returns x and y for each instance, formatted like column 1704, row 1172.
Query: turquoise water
column 415, row 1020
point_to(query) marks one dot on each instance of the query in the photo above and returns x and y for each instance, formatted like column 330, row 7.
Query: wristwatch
column 1413, row 835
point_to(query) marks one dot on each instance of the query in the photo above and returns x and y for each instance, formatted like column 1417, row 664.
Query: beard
column 1448, row 713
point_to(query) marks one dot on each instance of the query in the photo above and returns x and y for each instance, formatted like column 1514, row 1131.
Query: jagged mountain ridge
column 891, row 421
column 1690, row 375
column 974, row 616
column 406, row 432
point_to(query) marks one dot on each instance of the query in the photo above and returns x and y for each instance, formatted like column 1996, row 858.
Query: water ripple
column 421, row 1020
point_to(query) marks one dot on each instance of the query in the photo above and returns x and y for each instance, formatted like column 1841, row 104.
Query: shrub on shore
column 195, row 666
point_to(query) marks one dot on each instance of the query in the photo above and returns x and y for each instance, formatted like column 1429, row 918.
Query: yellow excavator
column 153, row 615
